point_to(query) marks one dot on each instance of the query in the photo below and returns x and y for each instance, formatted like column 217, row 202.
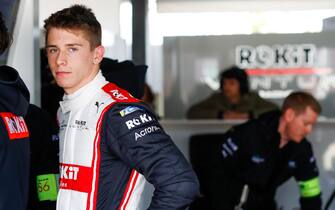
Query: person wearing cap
column 233, row 101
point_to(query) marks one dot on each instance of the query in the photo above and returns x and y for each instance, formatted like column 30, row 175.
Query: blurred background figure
column 233, row 101
column 148, row 97
column 263, row 154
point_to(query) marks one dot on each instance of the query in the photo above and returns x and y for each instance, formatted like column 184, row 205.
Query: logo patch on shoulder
column 257, row 159
column 139, row 120
column 118, row 94
column 15, row 125
column 128, row 110
column 146, row 131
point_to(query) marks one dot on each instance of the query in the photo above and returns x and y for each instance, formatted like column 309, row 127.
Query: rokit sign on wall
column 277, row 64
column 277, row 70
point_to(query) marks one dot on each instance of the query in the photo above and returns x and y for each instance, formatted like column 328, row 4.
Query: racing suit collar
column 82, row 96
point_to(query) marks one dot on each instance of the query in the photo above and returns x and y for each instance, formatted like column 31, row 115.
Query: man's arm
column 232, row 148
column 146, row 147
column 307, row 176
column 206, row 109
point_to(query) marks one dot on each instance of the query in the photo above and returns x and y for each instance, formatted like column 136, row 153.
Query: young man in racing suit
column 14, row 134
column 110, row 143
column 266, row 152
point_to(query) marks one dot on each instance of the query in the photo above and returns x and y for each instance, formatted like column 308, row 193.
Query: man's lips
column 62, row 73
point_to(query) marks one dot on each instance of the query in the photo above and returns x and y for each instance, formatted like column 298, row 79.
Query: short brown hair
column 76, row 17
column 299, row 101
column 5, row 37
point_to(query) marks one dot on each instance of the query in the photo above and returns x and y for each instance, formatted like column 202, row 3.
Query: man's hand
column 233, row 115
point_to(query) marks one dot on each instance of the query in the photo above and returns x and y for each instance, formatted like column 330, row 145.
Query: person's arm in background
column 209, row 108
column 307, row 176
column 155, row 156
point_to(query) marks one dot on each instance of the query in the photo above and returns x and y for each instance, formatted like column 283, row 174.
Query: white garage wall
column 21, row 53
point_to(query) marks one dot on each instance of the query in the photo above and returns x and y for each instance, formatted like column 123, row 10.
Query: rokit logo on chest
column 69, row 172
column 143, row 118
column 75, row 177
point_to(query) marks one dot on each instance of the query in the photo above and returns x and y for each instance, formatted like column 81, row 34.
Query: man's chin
column 298, row 140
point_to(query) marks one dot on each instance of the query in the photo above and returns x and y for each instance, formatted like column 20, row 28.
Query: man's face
column 300, row 125
column 72, row 61
column 231, row 88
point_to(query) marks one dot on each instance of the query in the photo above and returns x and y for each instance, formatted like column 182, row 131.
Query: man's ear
column 99, row 52
column 289, row 115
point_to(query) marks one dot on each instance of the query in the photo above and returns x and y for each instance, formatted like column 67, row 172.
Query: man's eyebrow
column 74, row 44
column 68, row 45
column 48, row 46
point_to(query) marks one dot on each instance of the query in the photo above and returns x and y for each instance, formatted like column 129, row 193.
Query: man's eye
column 52, row 50
column 72, row 49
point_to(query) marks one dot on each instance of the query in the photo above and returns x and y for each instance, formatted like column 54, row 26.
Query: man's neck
column 83, row 83
column 234, row 99
column 282, row 131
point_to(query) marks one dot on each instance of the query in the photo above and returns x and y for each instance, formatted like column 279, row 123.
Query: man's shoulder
column 301, row 150
column 14, row 125
column 259, row 130
column 304, row 146
column 126, row 110
column 118, row 94
column 130, row 121
column 267, row 120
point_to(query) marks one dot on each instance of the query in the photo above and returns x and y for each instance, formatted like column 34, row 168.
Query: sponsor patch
column 47, row 187
column 117, row 94
column 232, row 144
column 143, row 118
column 257, row 159
column 229, row 148
column 146, row 131
column 128, row 110
column 15, row 125
column 75, row 177
column 78, row 125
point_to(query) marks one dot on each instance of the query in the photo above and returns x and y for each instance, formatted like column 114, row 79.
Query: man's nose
column 61, row 58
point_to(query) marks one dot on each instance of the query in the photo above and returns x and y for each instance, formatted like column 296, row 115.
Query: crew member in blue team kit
column 14, row 134
column 264, row 153
column 110, row 143
column 44, row 168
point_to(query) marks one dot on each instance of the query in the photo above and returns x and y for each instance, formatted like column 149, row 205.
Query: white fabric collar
column 82, row 96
